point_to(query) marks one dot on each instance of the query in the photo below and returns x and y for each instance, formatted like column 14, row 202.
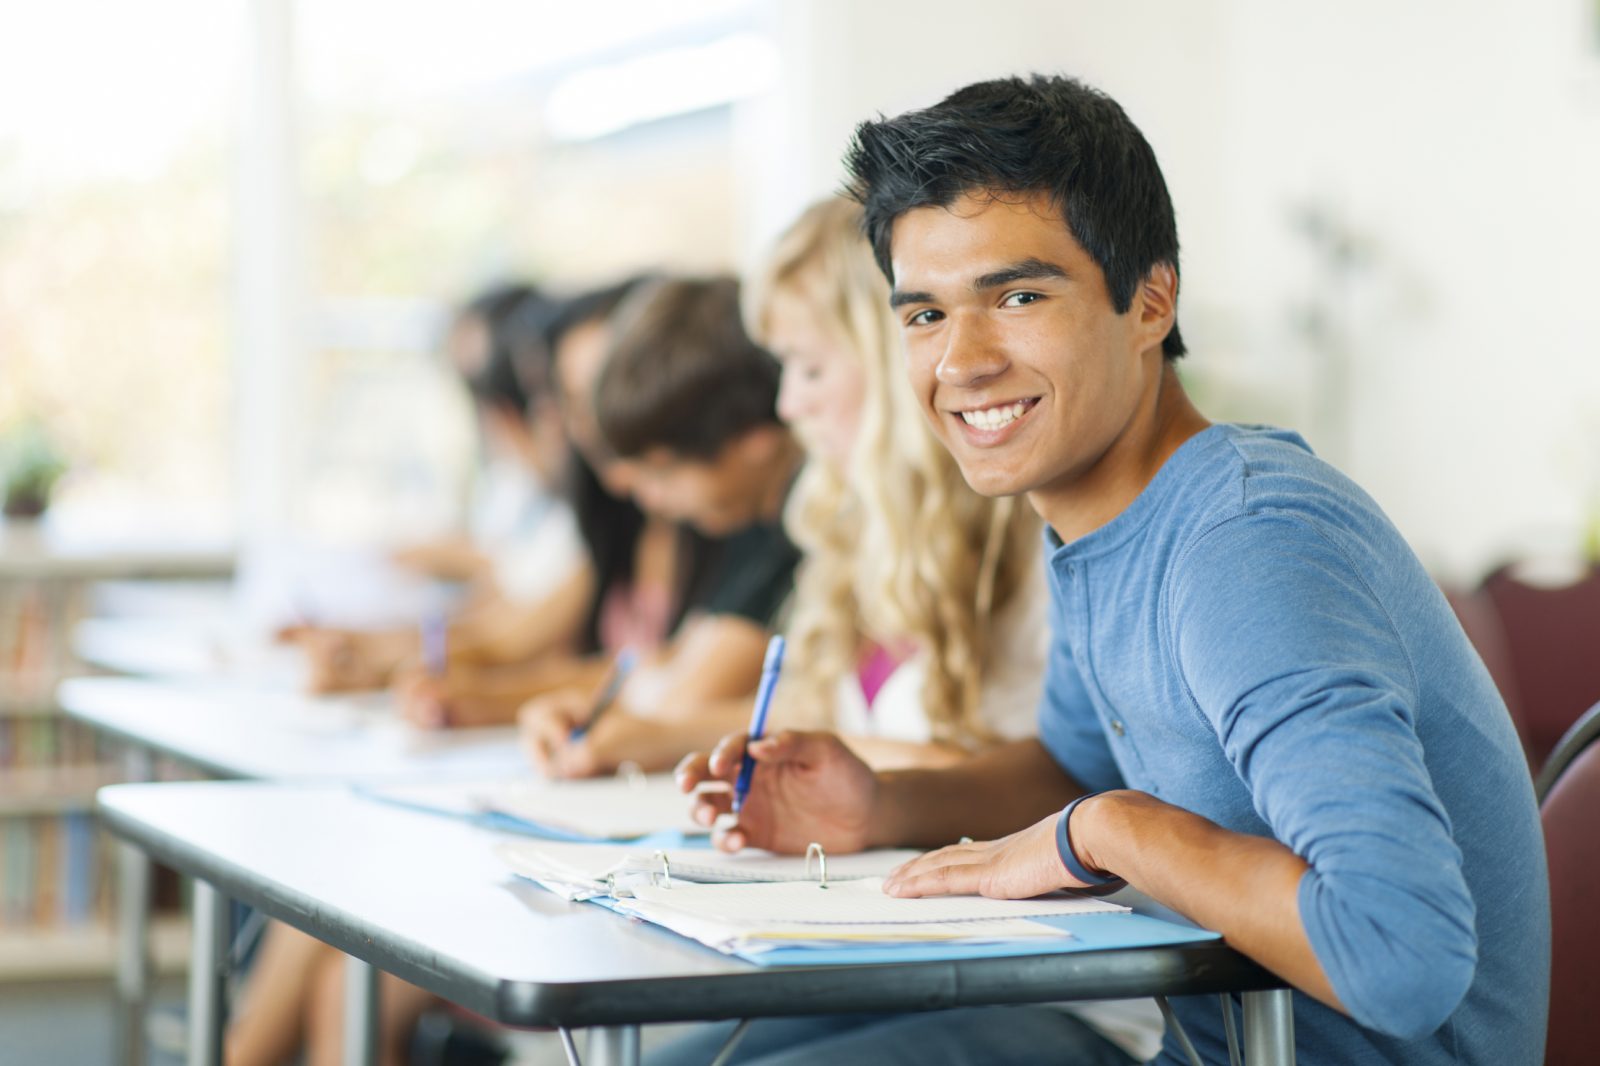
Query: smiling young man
column 1259, row 710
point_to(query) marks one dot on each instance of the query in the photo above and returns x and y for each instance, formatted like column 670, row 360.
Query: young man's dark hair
column 682, row 374
column 1043, row 134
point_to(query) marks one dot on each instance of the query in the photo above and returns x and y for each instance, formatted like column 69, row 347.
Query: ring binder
column 666, row 871
column 822, row 863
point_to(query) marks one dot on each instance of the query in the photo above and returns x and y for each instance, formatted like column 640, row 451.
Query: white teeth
column 994, row 417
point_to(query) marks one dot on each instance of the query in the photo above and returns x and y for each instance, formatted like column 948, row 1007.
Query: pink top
column 635, row 616
column 877, row 666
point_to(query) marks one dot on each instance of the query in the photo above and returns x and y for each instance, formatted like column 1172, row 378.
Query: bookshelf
column 57, row 867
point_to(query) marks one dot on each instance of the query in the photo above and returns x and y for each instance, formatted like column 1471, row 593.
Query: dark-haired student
column 1259, row 710
column 523, row 539
column 687, row 405
column 521, row 446
column 691, row 582
column 703, row 605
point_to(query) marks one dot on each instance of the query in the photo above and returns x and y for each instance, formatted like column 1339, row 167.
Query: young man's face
column 1026, row 372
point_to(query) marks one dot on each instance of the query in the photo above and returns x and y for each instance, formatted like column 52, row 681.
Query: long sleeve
column 1294, row 663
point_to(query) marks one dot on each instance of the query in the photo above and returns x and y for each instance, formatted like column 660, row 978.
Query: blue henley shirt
column 1253, row 641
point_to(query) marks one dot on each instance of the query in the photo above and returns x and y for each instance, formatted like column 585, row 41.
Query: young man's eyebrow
column 1023, row 270
column 900, row 299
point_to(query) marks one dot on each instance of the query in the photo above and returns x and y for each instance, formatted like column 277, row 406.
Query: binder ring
column 666, row 872
column 822, row 863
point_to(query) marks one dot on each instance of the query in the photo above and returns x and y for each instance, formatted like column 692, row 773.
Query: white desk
column 423, row 897
column 233, row 731
column 236, row 731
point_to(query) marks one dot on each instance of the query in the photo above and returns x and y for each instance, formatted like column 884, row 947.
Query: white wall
column 1460, row 141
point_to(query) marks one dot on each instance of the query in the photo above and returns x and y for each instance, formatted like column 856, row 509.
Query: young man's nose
column 971, row 354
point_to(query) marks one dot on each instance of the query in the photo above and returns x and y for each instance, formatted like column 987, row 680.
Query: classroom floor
column 70, row 1023
column 73, row 1023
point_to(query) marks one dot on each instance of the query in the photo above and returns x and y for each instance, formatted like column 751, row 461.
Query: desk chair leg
column 360, row 1012
column 614, row 1045
column 133, row 928
column 212, row 931
column 1269, row 1028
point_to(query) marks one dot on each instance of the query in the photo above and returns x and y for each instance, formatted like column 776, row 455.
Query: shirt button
column 1071, row 570
column 1116, row 727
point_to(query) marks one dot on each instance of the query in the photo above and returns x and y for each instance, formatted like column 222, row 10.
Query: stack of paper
column 609, row 808
column 748, row 919
column 605, row 808
column 584, row 871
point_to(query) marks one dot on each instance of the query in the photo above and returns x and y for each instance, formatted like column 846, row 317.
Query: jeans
column 993, row 1036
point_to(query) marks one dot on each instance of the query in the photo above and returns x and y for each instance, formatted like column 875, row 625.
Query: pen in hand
column 435, row 637
column 758, row 718
column 607, row 695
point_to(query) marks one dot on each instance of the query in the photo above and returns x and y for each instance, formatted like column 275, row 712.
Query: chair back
column 1552, row 642
column 1476, row 613
column 1569, row 807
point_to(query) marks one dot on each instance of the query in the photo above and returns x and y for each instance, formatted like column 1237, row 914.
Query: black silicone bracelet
column 1069, row 858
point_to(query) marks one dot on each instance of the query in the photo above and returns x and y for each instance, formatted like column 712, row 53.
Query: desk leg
column 614, row 1045
column 212, row 927
column 360, row 1013
column 1269, row 1028
column 133, row 928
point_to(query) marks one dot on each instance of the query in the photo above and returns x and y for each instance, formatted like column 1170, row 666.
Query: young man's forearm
column 987, row 796
column 1244, row 887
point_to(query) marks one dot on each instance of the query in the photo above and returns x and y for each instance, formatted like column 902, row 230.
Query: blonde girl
column 917, row 628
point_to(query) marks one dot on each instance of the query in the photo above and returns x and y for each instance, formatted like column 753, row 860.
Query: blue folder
column 1090, row 932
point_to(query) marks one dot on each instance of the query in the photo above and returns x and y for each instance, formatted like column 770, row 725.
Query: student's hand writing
column 546, row 726
column 424, row 699
column 1019, row 866
column 340, row 660
column 808, row 787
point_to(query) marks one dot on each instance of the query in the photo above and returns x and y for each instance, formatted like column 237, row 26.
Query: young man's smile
column 987, row 424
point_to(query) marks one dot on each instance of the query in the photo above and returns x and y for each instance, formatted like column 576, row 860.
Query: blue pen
column 435, row 637
column 758, row 718
column 608, row 692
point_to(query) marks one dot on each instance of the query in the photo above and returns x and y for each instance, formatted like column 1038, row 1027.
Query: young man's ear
column 1156, row 303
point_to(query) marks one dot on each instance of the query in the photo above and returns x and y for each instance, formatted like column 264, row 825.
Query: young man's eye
column 926, row 317
column 1021, row 299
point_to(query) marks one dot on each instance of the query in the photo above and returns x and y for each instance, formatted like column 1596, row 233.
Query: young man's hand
column 807, row 788
column 1020, row 866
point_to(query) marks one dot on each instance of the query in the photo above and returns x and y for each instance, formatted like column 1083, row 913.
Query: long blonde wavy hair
column 897, row 548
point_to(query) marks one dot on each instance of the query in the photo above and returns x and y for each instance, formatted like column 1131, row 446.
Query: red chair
column 1476, row 613
column 1569, row 807
column 1552, row 645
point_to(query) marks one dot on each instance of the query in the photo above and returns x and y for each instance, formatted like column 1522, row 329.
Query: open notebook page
column 591, row 864
column 752, row 907
column 748, row 942
column 605, row 808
